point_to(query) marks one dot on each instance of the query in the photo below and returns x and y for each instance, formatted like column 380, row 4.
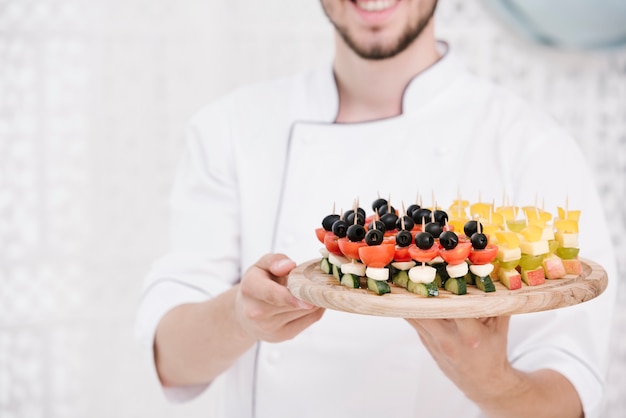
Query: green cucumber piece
column 442, row 273
column 470, row 278
column 325, row 266
column 378, row 287
column 337, row 273
column 351, row 280
column 456, row 286
column 401, row 278
column 484, row 283
column 423, row 289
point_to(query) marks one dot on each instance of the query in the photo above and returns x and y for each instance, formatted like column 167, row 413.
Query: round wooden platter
column 308, row 283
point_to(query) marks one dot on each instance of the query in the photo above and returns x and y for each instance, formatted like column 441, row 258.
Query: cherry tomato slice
column 484, row 256
column 370, row 219
column 349, row 248
column 377, row 255
column 330, row 242
column 458, row 254
column 320, row 233
column 402, row 254
column 423, row 256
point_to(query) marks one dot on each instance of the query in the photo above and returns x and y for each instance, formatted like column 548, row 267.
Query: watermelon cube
column 533, row 277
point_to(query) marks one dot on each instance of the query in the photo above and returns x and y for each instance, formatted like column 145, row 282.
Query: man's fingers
column 263, row 288
column 279, row 265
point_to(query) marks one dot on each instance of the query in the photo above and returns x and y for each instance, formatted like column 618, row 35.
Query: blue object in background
column 586, row 24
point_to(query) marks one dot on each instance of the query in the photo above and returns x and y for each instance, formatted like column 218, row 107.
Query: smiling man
column 395, row 113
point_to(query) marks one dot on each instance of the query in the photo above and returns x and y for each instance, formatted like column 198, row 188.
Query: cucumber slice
column 377, row 286
column 337, row 272
column 484, row 283
column 470, row 278
column 351, row 280
column 325, row 266
column 442, row 274
column 422, row 289
column 400, row 278
column 456, row 286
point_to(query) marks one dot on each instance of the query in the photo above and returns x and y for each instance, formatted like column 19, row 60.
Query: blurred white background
column 94, row 97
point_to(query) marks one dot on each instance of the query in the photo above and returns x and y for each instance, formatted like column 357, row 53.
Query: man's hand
column 473, row 354
column 265, row 308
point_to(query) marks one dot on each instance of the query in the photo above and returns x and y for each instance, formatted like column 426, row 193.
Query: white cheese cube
column 567, row 240
column 356, row 268
column 481, row 270
column 422, row 274
column 534, row 248
column 509, row 254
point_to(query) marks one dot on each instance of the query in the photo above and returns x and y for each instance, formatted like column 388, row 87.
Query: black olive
column 408, row 223
column 424, row 240
column 379, row 225
column 404, row 239
column 374, row 237
column 386, row 209
column 479, row 241
column 328, row 222
column 448, row 240
column 412, row 208
column 434, row 229
column 441, row 217
column 378, row 203
column 355, row 233
column 471, row 227
column 360, row 219
column 389, row 219
column 340, row 228
column 421, row 215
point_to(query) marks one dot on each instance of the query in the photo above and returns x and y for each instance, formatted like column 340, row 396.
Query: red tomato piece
column 402, row 254
column 330, row 242
column 484, row 256
column 377, row 255
column 350, row 249
column 423, row 256
column 320, row 233
column 458, row 254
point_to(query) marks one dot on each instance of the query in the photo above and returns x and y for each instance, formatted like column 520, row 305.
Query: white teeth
column 376, row 5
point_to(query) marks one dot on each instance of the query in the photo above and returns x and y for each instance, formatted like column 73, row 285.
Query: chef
column 395, row 113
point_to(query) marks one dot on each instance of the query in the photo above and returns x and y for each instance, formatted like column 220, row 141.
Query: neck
column 373, row 89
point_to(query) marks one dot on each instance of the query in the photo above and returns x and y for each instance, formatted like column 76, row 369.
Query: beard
column 379, row 51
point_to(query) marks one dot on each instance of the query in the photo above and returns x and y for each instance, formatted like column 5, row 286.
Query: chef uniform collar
column 422, row 88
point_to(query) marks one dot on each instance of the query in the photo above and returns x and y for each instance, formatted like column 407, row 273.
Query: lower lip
column 375, row 17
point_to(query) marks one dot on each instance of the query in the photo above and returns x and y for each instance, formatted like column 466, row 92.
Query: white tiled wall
column 94, row 97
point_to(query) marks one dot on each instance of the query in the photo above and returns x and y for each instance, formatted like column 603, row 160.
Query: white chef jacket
column 264, row 165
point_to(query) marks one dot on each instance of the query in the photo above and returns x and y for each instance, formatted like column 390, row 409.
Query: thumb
column 277, row 264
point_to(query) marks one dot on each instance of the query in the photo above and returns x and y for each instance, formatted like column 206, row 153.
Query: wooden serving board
column 308, row 283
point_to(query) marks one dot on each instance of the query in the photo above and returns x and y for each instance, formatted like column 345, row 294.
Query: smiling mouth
column 374, row 5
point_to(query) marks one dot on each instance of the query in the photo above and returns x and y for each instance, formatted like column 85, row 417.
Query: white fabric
column 265, row 164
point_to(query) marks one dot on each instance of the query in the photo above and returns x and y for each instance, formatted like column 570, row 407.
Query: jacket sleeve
column 203, row 259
